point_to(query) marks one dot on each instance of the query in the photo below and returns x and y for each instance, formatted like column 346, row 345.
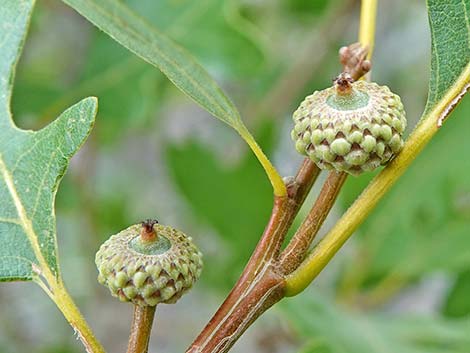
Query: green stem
column 55, row 288
column 279, row 188
column 367, row 25
column 71, row 312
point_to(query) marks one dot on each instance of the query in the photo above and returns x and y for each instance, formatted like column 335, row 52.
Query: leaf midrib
column 23, row 219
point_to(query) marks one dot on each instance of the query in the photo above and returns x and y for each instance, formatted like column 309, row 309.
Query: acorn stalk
column 147, row 264
column 141, row 328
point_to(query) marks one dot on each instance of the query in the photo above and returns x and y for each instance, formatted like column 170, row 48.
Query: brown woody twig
column 354, row 60
column 295, row 252
column 261, row 284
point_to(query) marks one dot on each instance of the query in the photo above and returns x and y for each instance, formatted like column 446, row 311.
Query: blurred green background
column 401, row 284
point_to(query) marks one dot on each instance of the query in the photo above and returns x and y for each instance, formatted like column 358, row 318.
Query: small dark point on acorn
column 147, row 232
column 343, row 83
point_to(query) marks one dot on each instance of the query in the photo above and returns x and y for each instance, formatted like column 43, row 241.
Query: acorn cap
column 351, row 127
column 148, row 273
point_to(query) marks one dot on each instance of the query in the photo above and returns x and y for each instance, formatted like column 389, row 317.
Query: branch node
column 354, row 60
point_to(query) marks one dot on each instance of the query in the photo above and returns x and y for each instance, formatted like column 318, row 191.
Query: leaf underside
column 31, row 163
column 450, row 36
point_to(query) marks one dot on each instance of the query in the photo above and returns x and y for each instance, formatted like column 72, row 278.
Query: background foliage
column 400, row 284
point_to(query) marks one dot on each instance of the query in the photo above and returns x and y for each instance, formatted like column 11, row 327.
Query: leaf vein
column 25, row 222
column 10, row 220
column 28, row 151
column 41, row 185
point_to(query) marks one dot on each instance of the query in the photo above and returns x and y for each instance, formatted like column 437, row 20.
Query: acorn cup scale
column 148, row 264
column 351, row 127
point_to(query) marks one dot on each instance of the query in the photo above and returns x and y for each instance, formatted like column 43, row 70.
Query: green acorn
column 148, row 263
column 351, row 127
